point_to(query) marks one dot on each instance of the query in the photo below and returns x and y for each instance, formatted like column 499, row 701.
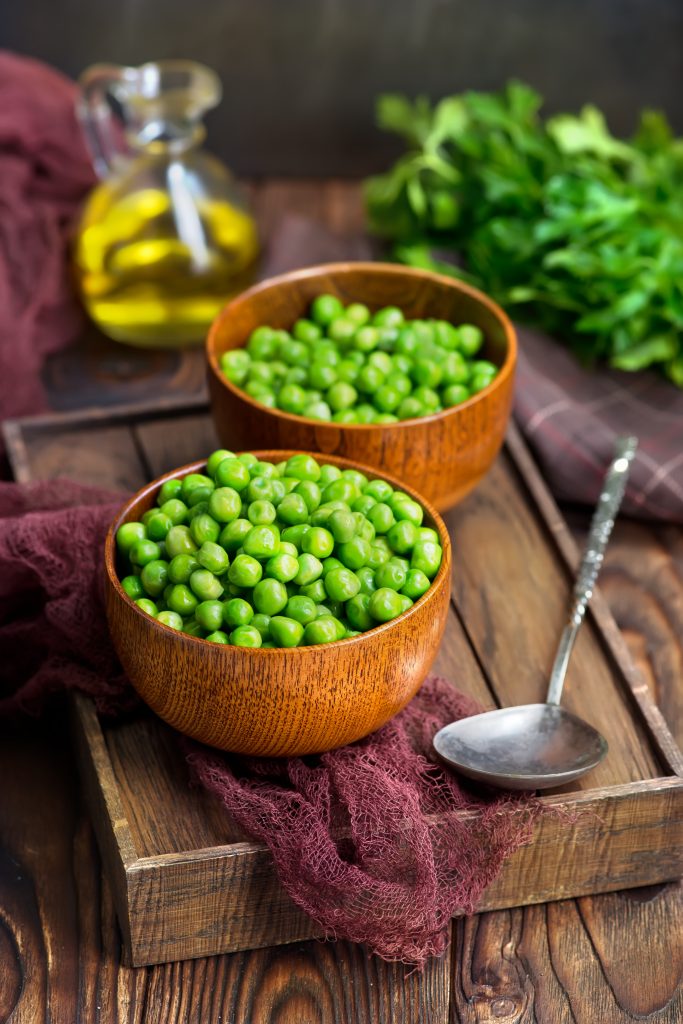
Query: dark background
column 300, row 76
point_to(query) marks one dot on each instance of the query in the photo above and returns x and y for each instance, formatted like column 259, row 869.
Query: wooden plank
column 167, row 446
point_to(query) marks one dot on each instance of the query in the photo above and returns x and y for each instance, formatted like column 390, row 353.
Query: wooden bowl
column 442, row 456
column 276, row 702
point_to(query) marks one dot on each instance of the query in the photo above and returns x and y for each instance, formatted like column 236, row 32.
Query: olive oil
column 143, row 283
column 165, row 239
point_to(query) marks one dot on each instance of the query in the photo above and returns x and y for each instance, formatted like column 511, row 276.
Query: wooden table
column 595, row 960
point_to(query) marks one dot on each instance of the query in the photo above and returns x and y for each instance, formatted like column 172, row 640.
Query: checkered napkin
column 570, row 415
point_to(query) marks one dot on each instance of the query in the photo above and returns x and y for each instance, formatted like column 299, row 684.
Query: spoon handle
column 602, row 522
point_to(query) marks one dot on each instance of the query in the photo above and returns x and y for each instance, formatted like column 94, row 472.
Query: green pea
column 293, row 509
column 144, row 551
column 341, row 525
column 321, row 375
column 217, row 637
column 385, row 417
column 225, row 504
column 366, row 578
column 378, row 556
column 235, row 365
column 318, row 541
column 205, row 585
column 478, row 382
column 214, row 460
column 196, row 487
column 246, row 636
column 296, row 375
column 263, row 343
column 282, row 567
column 358, row 612
column 310, row 492
column 306, row 331
column 455, row 369
column 168, row 490
column 301, row 608
column 331, row 563
column 245, row 571
column 381, row 517
column 328, row 473
column 454, row 395
column 248, row 459
column 341, row 584
column 325, row 309
column 363, row 504
column 321, row 631
column 158, row 525
column 316, row 591
column 385, row 604
column 369, row 379
column 287, row 548
column 426, row 533
column 179, row 542
column 269, row 596
column 295, row 534
column 213, row 557
column 389, row 316
column 154, row 577
column 366, row 339
column 426, row 556
column 428, row 399
column 232, row 473
column 347, row 370
column 310, row 569
column 171, row 619
column 132, row 586
column 181, row 568
column 182, row 600
column 262, row 623
column 365, row 413
column 237, row 612
column 260, row 488
column 354, row 554
column 303, row 467
column 416, row 584
column 357, row 312
column 203, row 527
column 261, row 513
column 128, row 535
column 176, row 511
column 426, row 373
column 147, row 606
column 285, row 632
column 340, row 490
column 209, row 615
column 342, row 330
column 411, row 408
column 410, row 510
column 262, row 541
column 294, row 353
column 471, row 339
column 292, row 398
column 232, row 535
column 387, row 398
column 192, row 628
column 390, row 575
column 345, row 416
column 403, row 536
column 364, row 527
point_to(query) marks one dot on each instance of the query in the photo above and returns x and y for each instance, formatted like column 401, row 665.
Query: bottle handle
column 94, row 112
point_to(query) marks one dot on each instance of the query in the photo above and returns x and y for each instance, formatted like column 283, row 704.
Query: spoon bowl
column 531, row 746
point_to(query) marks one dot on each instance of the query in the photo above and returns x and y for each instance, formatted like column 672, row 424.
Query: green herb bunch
column 565, row 225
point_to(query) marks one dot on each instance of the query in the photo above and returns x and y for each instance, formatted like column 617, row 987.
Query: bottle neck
column 166, row 138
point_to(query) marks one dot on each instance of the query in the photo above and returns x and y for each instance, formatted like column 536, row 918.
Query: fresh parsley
column 565, row 225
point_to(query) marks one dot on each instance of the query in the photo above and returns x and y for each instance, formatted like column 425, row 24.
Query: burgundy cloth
column 366, row 839
column 570, row 415
column 44, row 174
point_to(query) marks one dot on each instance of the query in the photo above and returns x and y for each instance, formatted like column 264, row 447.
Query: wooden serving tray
column 188, row 883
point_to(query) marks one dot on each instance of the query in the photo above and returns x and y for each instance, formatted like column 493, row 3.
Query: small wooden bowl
column 276, row 702
column 442, row 456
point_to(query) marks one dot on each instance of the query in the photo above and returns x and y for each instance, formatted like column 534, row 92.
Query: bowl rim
column 194, row 467
column 369, row 267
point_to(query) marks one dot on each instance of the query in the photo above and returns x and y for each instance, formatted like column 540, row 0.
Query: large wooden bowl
column 442, row 456
column 276, row 702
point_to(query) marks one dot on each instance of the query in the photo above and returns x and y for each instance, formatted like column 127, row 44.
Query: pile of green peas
column 348, row 365
column 259, row 554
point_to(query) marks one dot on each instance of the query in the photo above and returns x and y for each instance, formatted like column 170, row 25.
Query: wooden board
column 186, row 883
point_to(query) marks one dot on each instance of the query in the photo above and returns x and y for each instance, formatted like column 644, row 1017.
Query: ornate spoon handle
column 600, row 529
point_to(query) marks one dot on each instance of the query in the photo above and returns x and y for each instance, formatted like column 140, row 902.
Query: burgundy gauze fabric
column 44, row 175
column 369, row 840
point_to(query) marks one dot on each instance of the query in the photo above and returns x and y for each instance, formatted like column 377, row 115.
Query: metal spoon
column 536, row 746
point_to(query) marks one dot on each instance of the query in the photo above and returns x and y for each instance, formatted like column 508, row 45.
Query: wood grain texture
column 442, row 456
column 275, row 702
